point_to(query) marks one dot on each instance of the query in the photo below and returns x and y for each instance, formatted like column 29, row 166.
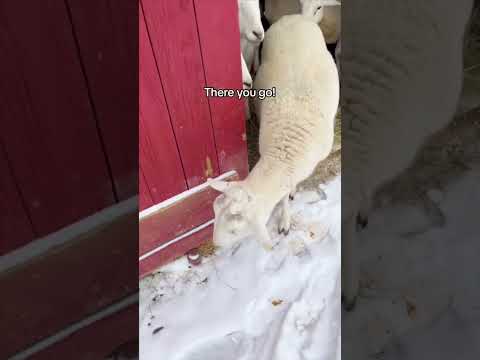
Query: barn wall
column 186, row 45
column 186, row 137
column 59, row 140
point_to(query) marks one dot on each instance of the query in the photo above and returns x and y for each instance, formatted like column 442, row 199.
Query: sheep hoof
column 291, row 196
column 284, row 229
column 349, row 304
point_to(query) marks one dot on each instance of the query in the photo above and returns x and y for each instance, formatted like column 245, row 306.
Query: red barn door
column 185, row 137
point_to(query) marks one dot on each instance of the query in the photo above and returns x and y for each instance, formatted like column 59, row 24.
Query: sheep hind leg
column 284, row 225
column 350, row 276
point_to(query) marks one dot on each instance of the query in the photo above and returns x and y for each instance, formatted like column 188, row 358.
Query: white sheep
column 326, row 12
column 398, row 88
column 251, row 31
column 251, row 35
column 296, row 131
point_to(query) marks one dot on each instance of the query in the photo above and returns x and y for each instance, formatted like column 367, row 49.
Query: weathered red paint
column 221, row 59
column 174, row 35
column 67, row 120
column 196, row 43
column 107, row 39
column 159, row 157
column 48, row 129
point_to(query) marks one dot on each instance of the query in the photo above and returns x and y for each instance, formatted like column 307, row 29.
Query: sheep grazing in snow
column 296, row 131
column 414, row 64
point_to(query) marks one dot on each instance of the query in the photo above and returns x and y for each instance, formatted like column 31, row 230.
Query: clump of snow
column 248, row 304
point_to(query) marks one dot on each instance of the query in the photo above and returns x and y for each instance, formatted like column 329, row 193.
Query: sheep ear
column 220, row 185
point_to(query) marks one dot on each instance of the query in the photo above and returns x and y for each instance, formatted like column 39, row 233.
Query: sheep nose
column 258, row 35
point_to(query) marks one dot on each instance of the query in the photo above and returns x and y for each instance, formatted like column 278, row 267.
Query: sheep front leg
column 284, row 226
column 264, row 238
column 350, row 278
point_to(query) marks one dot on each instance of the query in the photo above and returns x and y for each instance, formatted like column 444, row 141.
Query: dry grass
column 207, row 249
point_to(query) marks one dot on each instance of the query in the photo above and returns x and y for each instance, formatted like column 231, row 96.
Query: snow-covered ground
column 247, row 304
column 421, row 286
column 420, row 289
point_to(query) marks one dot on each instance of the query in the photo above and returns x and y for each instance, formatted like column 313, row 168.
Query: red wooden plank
column 145, row 197
column 159, row 155
column 48, row 130
column 176, row 219
column 15, row 227
column 64, row 285
column 175, row 251
column 174, row 35
column 97, row 340
column 220, row 40
column 107, row 35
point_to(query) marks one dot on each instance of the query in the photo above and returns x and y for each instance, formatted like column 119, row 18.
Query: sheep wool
column 297, row 126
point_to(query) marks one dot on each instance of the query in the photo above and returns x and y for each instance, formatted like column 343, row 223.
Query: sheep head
column 232, row 213
column 250, row 19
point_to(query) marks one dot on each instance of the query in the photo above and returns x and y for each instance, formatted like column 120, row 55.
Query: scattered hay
column 207, row 249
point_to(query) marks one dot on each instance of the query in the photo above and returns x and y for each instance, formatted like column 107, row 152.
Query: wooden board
column 48, row 129
column 177, row 218
column 174, row 220
column 71, row 281
column 174, row 36
column 97, row 340
column 220, row 44
column 108, row 41
column 159, row 155
column 174, row 251
column 15, row 227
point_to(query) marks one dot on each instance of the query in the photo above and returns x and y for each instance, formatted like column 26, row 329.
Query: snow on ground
column 248, row 304
column 420, row 295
